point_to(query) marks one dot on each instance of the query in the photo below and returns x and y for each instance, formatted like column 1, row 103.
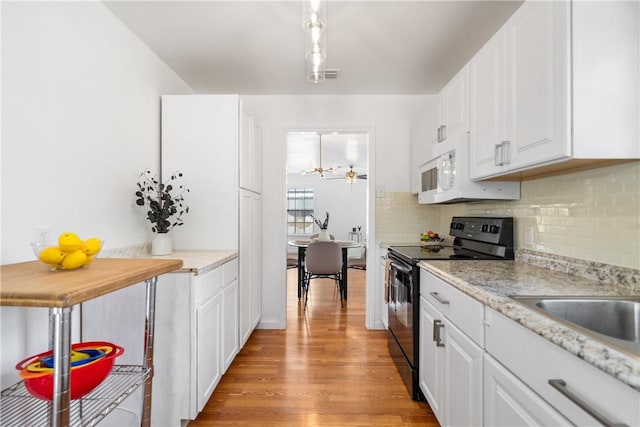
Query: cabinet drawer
column 229, row 272
column 536, row 360
column 462, row 310
column 207, row 285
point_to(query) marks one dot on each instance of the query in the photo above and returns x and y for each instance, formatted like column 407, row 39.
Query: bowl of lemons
column 70, row 252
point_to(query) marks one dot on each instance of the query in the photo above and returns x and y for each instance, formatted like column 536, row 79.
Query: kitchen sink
column 612, row 320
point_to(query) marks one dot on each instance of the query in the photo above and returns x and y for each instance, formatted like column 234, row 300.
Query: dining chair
column 323, row 260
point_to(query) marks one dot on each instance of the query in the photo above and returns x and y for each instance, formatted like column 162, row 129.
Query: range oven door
column 401, row 306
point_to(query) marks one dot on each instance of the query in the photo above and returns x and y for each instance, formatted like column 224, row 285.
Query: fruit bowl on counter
column 430, row 238
column 69, row 252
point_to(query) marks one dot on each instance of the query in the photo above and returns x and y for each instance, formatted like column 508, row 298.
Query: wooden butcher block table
column 32, row 284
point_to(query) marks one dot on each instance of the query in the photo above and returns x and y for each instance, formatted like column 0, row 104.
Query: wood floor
column 325, row 369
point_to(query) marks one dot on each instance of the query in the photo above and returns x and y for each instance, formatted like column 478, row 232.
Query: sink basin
column 614, row 320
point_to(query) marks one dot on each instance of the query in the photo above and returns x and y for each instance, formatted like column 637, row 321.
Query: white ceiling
column 257, row 47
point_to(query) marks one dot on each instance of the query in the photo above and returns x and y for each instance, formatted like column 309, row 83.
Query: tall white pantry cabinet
column 214, row 141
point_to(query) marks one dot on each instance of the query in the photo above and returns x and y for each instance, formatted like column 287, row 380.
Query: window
column 299, row 210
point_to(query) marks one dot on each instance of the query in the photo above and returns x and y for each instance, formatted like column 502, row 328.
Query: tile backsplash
column 592, row 215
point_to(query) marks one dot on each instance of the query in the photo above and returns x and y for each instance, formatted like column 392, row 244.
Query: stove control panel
column 494, row 230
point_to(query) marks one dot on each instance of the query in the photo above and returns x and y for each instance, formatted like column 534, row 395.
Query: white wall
column 347, row 205
column 387, row 118
column 80, row 121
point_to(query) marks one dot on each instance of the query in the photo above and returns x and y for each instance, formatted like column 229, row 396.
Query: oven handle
column 401, row 268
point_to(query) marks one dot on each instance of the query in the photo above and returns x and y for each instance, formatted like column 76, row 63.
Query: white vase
column 161, row 244
column 324, row 236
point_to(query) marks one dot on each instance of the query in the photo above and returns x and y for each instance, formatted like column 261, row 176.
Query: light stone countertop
column 199, row 262
column 490, row 282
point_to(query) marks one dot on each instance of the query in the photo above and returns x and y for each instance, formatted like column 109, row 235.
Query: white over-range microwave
column 445, row 179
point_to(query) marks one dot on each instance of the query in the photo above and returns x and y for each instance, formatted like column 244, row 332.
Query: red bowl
column 84, row 378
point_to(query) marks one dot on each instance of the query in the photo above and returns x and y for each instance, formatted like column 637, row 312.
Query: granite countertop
column 490, row 282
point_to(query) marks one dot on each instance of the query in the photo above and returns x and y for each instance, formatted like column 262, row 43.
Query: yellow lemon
column 74, row 260
column 89, row 259
column 91, row 246
column 69, row 242
column 52, row 255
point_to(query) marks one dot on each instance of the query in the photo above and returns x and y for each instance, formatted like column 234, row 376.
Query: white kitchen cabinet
column 431, row 367
column 558, row 83
column 420, row 152
column 249, row 151
column 196, row 334
column 230, row 314
column 453, row 113
column 450, row 367
column 208, row 344
column 536, row 361
column 250, row 264
column 508, row 402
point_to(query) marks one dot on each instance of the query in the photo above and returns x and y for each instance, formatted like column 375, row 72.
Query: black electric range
column 475, row 238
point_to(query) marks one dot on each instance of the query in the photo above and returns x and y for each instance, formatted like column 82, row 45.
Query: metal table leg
column 344, row 273
column 60, row 323
column 301, row 253
column 150, row 317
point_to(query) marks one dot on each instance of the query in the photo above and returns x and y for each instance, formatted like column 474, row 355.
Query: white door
column 208, row 326
column 538, row 74
column 487, row 106
column 508, row 402
column 431, row 358
column 463, row 378
column 245, row 278
column 230, row 324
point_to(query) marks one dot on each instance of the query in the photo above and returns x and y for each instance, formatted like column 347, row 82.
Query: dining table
column 303, row 244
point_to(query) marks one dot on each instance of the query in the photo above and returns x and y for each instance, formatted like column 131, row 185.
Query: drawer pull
column 561, row 386
column 439, row 298
column 437, row 324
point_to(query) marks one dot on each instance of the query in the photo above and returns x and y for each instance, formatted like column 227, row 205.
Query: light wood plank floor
column 325, row 369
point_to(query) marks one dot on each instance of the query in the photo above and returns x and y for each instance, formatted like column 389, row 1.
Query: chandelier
column 315, row 40
column 319, row 169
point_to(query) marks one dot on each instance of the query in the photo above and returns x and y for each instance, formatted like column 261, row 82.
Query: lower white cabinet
column 450, row 366
column 508, row 402
column 196, row 339
column 584, row 392
column 208, row 339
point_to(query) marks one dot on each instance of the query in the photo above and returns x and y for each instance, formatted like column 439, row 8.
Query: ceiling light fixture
column 319, row 169
column 315, row 36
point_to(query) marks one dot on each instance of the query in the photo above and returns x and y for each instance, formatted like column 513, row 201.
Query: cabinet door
column 230, row 327
column 419, row 150
column 208, row 327
column 245, row 274
column 431, row 366
column 246, row 148
column 256, row 261
column 508, row 402
column 433, row 124
column 538, row 75
column 453, row 112
column 487, row 106
column 462, row 378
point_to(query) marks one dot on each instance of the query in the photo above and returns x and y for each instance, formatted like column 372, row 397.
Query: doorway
column 327, row 174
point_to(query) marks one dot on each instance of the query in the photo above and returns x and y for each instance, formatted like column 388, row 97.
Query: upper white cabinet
column 249, row 151
column 419, row 149
column 559, row 82
column 450, row 115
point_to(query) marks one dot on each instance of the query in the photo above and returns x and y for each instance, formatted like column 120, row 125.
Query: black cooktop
column 415, row 254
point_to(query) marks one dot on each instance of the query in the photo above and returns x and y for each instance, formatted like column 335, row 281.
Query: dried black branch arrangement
column 164, row 201
column 322, row 225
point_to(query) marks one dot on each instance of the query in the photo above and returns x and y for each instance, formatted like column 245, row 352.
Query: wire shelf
column 19, row 408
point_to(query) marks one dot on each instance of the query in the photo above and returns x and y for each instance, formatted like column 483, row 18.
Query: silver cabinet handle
column 437, row 324
column 561, row 386
column 439, row 133
column 444, row 132
column 439, row 298
column 497, row 155
column 506, row 152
